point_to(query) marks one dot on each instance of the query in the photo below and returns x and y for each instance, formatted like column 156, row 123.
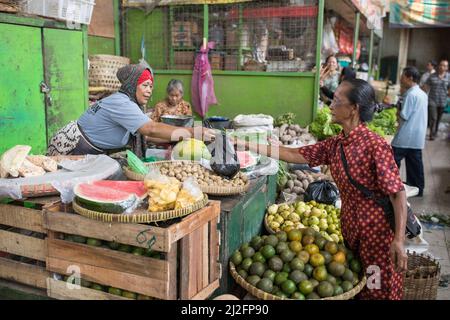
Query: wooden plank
column 206, row 292
column 186, row 273
column 214, row 251
column 23, row 289
column 102, row 21
column 20, row 217
column 172, row 259
column 59, row 290
column 193, row 221
column 109, row 259
column 28, row 274
column 130, row 282
column 198, row 252
column 206, row 256
column 22, row 245
column 138, row 235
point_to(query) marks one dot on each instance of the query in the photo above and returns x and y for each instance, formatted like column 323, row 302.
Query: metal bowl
column 178, row 121
column 216, row 122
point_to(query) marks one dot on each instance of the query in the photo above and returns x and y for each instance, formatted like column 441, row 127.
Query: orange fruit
column 308, row 240
column 295, row 246
column 312, row 248
column 320, row 273
column 304, row 256
column 294, row 235
column 339, row 257
column 317, row 260
column 331, row 247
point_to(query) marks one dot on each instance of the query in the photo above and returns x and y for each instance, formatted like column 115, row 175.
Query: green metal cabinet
column 43, row 80
column 241, row 218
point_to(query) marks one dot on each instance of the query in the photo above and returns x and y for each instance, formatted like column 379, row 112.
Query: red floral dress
column 364, row 226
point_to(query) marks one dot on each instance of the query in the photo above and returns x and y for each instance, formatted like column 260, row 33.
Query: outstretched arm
column 277, row 152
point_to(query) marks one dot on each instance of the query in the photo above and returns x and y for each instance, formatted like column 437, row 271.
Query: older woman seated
column 173, row 104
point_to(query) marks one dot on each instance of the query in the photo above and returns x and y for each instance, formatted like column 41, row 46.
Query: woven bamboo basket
column 210, row 190
column 267, row 296
column 103, row 69
column 140, row 215
column 266, row 225
column 421, row 280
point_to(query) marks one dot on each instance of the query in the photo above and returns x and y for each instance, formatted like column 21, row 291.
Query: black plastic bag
column 322, row 191
column 224, row 160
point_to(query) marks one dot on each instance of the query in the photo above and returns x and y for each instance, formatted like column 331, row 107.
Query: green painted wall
column 22, row 108
column 240, row 93
column 101, row 45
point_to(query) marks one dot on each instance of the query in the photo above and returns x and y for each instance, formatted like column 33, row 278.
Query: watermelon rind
column 99, row 205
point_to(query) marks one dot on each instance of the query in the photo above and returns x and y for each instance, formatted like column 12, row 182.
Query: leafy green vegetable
column 287, row 118
column 385, row 122
column 322, row 127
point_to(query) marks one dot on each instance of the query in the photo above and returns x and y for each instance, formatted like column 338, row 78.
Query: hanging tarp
column 133, row 3
column 374, row 11
column 419, row 14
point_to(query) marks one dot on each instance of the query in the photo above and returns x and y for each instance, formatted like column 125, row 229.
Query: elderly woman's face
column 341, row 108
column 174, row 97
column 144, row 92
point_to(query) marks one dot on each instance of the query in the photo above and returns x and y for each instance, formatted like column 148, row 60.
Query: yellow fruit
column 287, row 228
column 335, row 237
column 294, row 217
column 274, row 225
column 331, row 247
column 279, row 219
column 317, row 260
column 316, row 212
column 295, row 235
column 312, row 248
column 295, row 245
column 339, row 257
column 270, row 218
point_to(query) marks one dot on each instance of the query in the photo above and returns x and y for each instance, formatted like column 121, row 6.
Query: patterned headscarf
column 129, row 76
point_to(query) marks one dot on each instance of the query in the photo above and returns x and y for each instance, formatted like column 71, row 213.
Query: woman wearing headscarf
column 113, row 123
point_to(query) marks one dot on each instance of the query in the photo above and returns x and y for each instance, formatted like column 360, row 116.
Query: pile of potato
column 204, row 177
column 293, row 134
column 299, row 180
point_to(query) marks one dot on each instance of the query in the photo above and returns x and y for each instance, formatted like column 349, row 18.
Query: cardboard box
column 184, row 57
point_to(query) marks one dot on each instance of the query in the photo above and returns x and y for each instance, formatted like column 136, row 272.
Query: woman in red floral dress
column 371, row 163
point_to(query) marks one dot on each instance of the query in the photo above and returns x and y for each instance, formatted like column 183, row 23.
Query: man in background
column 410, row 138
column 431, row 68
column 437, row 86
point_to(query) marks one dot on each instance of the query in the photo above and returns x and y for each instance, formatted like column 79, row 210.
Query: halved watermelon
column 246, row 159
column 136, row 187
column 103, row 199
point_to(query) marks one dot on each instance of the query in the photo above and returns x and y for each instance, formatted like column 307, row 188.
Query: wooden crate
column 189, row 270
column 23, row 244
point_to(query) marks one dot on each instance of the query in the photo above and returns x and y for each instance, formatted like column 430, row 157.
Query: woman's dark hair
column 433, row 63
column 362, row 94
column 348, row 73
column 412, row 72
column 329, row 57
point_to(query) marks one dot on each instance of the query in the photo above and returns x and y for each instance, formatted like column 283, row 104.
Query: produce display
column 191, row 149
column 322, row 218
column 299, row 264
column 384, row 122
column 298, row 181
column 293, row 134
column 110, row 196
column 16, row 162
column 322, row 127
column 204, row 177
column 138, row 251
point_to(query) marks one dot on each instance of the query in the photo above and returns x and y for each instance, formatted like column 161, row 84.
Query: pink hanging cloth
column 202, row 87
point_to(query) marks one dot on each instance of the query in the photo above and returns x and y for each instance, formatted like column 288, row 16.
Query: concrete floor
column 436, row 158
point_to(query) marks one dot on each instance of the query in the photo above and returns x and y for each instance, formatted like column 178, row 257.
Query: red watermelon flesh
column 246, row 159
column 136, row 187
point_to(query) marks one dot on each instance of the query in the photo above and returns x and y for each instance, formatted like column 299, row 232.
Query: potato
column 297, row 190
column 287, row 190
column 298, row 183
column 305, row 183
column 171, row 174
column 290, row 184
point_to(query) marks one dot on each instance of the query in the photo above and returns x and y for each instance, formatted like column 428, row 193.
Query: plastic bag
column 189, row 194
column 329, row 43
column 224, row 159
column 322, row 191
column 162, row 190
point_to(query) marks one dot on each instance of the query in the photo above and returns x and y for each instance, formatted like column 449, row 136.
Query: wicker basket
column 421, row 280
column 267, row 296
column 210, row 190
column 103, row 69
column 140, row 215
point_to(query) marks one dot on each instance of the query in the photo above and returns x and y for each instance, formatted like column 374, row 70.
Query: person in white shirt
column 431, row 68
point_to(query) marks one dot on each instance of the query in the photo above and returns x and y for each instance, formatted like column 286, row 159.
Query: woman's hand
column 398, row 255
